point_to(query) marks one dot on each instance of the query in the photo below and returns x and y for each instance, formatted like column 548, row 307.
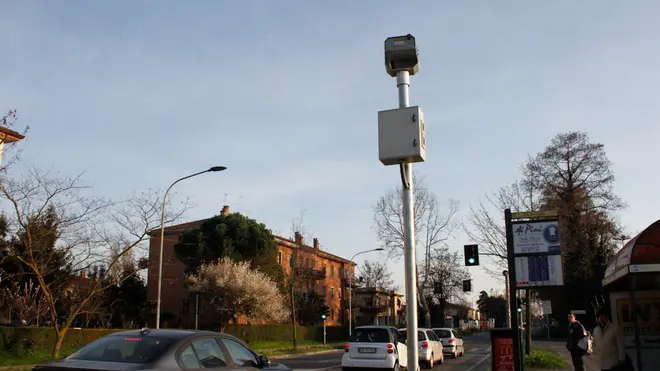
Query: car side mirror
column 263, row 361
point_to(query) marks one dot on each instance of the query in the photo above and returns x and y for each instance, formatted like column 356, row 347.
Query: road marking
column 478, row 363
column 317, row 369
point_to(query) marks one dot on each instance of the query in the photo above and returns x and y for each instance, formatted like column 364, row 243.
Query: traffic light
column 467, row 285
column 326, row 312
column 471, row 255
column 520, row 305
column 437, row 288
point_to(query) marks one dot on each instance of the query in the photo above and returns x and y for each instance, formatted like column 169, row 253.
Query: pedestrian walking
column 576, row 332
column 608, row 343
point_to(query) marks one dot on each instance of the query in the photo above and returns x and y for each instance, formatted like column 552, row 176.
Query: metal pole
column 513, row 303
column 548, row 321
column 350, row 301
column 528, row 319
column 196, row 311
column 324, row 338
column 403, row 85
column 162, row 239
column 508, row 298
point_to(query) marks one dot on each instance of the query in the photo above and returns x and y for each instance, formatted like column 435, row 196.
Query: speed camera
column 401, row 55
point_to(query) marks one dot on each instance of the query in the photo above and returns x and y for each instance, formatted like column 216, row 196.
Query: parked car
column 166, row 350
column 430, row 347
column 375, row 347
column 452, row 341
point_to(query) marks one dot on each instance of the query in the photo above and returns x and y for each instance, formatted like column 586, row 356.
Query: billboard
column 539, row 270
column 536, row 237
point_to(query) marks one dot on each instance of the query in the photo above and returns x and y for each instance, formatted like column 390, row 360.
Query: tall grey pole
column 403, row 85
column 196, row 311
column 162, row 237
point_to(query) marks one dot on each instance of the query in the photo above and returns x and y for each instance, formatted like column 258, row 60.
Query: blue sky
column 285, row 94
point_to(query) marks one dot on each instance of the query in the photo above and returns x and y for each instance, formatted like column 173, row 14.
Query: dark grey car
column 163, row 350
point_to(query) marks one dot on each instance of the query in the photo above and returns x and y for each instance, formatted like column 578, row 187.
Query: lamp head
column 217, row 168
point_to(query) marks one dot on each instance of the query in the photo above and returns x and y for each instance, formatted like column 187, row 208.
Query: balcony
column 377, row 306
column 310, row 273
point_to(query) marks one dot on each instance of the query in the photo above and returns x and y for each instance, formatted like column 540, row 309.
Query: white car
column 375, row 347
column 430, row 347
column 452, row 341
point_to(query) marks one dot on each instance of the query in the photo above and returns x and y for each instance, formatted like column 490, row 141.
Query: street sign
column 541, row 270
column 536, row 237
column 546, row 307
column 535, row 214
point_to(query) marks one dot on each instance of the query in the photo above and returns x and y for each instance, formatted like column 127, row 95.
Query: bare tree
column 433, row 227
column 376, row 275
column 234, row 289
column 485, row 225
column 53, row 219
column 26, row 302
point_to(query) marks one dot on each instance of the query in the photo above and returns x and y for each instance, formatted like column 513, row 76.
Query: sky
column 285, row 94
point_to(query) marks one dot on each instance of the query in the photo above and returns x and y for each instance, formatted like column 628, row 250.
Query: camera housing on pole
column 401, row 54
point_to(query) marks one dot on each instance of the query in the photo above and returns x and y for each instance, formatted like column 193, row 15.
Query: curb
column 284, row 356
column 16, row 368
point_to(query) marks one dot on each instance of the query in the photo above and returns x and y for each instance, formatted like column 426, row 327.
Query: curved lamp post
column 350, row 292
column 162, row 236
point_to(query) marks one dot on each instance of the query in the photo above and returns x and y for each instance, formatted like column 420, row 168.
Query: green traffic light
column 323, row 316
column 519, row 309
column 471, row 260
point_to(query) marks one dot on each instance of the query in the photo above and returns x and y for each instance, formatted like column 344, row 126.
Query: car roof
column 374, row 326
column 444, row 328
column 418, row 329
column 171, row 333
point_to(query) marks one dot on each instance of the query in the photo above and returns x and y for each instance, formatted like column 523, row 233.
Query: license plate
column 366, row 350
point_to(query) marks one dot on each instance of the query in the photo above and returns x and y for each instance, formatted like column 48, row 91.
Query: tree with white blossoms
column 233, row 289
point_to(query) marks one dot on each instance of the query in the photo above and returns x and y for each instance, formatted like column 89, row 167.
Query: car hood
column 277, row 366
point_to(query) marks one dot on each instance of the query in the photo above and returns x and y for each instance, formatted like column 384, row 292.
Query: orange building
column 315, row 271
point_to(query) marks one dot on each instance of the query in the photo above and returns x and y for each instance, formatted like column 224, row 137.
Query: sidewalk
column 560, row 348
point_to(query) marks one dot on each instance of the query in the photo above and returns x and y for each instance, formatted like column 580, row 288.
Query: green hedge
column 25, row 338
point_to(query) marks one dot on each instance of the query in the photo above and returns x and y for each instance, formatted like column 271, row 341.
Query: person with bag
column 576, row 334
column 608, row 343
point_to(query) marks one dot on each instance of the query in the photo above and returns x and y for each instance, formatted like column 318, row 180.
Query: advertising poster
column 503, row 354
column 540, row 270
column 648, row 303
column 536, row 238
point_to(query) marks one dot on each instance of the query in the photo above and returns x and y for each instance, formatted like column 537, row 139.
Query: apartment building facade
column 311, row 268
column 378, row 306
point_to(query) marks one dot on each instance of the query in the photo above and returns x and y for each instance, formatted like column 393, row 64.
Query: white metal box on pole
column 401, row 136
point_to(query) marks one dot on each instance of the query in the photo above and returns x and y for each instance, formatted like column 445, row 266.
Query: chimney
column 225, row 210
column 300, row 240
column 316, row 243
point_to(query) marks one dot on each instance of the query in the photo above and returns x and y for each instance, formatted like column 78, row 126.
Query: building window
column 307, row 263
column 325, row 268
column 332, row 293
column 325, row 290
column 332, row 271
column 279, row 257
column 291, row 260
column 314, row 264
column 340, row 272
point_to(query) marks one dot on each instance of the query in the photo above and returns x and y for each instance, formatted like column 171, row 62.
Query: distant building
column 377, row 306
column 315, row 271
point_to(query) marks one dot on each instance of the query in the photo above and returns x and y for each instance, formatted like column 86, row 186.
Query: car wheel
column 396, row 367
column 429, row 364
column 442, row 359
column 454, row 355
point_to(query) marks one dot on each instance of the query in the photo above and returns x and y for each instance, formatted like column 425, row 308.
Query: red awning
column 639, row 255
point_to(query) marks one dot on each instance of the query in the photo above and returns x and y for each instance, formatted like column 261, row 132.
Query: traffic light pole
column 324, row 337
column 513, row 290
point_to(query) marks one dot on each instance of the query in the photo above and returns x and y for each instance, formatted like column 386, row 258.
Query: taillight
column 450, row 341
column 390, row 348
column 425, row 344
column 346, row 348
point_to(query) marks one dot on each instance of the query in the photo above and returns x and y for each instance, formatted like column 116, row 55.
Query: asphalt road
column 477, row 358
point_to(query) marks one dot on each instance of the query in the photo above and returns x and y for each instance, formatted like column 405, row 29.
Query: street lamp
column 350, row 290
column 162, row 237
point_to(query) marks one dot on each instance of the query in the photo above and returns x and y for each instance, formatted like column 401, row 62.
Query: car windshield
column 442, row 333
column 137, row 349
column 420, row 334
column 370, row 335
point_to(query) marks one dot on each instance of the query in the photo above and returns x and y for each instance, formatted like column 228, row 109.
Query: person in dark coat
column 575, row 333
